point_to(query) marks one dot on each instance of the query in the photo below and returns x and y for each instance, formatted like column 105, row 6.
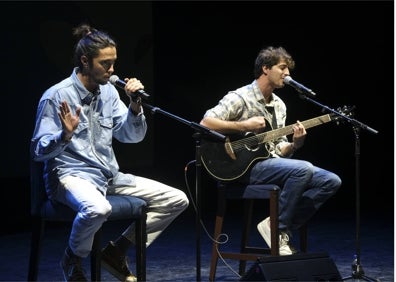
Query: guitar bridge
column 228, row 149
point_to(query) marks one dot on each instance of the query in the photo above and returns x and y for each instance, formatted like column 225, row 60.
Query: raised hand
column 68, row 120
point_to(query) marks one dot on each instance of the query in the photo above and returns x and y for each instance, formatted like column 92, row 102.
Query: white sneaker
column 264, row 228
column 284, row 247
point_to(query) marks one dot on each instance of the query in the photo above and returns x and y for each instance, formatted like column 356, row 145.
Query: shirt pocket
column 81, row 138
column 104, row 132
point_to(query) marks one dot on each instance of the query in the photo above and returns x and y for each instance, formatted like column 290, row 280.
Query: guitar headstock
column 346, row 111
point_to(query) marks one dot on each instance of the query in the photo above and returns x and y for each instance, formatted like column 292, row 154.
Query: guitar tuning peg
column 345, row 111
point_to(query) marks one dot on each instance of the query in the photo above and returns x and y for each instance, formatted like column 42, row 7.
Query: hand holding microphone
column 116, row 81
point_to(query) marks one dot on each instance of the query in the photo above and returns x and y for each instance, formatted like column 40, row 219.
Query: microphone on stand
column 116, row 81
column 299, row 87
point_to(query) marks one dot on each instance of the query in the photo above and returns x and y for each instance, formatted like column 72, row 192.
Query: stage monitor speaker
column 298, row 267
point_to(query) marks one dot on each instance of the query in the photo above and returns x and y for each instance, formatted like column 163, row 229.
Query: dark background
column 189, row 55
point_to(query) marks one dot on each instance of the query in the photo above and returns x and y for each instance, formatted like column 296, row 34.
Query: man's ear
column 84, row 61
column 265, row 69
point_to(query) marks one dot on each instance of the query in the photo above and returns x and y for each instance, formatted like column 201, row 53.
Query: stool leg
column 38, row 226
column 304, row 238
column 274, row 222
column 247, row 221
column 141, row 239
column 221, row 208
column 215, row 255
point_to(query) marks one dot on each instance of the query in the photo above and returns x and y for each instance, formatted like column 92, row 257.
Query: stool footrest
column 256, row 250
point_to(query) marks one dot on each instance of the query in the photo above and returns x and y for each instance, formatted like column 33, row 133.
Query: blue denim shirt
column 89, row 154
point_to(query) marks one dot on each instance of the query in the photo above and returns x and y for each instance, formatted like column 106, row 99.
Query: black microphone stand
column 200, row 132
column 357, row 269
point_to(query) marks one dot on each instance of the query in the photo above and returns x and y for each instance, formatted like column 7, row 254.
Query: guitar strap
column 271, row 111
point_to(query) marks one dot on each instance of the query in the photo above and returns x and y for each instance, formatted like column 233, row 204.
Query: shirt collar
column 259, row 96
column 85, row 96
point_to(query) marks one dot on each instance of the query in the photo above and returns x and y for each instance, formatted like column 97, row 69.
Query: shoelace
column 284, row 240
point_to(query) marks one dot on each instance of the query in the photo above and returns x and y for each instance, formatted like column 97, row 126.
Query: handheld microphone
column 116, row 81
column 299, row 87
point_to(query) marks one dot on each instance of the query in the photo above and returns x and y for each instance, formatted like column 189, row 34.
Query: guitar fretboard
column 276, row 133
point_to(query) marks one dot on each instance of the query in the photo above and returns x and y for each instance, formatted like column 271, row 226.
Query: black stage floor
column 173, row 257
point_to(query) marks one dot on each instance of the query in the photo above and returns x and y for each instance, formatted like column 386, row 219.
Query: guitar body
column 226, row 166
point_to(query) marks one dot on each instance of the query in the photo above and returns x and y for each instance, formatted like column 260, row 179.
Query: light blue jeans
column 304, row 188
column 164, row 204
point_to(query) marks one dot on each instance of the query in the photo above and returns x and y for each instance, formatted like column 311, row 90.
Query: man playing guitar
column 265, row 152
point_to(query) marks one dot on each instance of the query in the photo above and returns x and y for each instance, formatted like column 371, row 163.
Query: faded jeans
column 304, row 188
column 164, row 204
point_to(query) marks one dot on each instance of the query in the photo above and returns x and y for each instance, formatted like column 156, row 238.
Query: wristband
column 64, row 139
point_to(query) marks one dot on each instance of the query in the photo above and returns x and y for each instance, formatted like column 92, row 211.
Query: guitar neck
column 287, row 130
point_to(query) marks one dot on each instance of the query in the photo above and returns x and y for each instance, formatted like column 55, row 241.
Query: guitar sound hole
column 253, row 143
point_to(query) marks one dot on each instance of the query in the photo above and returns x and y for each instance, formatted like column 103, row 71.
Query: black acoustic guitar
column 229, row 160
